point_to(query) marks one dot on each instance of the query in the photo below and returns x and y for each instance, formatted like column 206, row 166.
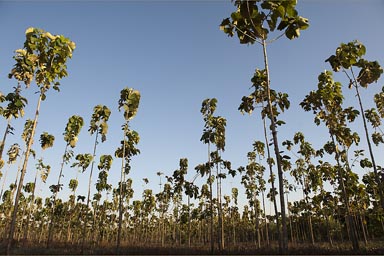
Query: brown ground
column 374, row 248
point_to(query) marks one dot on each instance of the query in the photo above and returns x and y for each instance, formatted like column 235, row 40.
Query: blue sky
column 174, row 53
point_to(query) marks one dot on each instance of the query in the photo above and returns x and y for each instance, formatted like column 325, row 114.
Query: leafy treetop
column 43, row 58
column 253, row 20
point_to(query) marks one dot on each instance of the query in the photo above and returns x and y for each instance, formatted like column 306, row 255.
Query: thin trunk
column 363, row 229
column 30, row 210
column 311, row 229
column 382, row 224
column 284, row 247
column 265, row 220
column 377, row 176
column 357, row 225
column 365, row 224
column 95, row 234
column 292, row 231
column 23, row 171
column 74, row 206
column 189, row 222
column 298, row 230
column 162, row 230
column 5, row 177
column 51, row 223
column 351, row 231
column 220, row 231
column 210, row 201
column 234, row 229
column 329, row 231
column 89, row 194
column 290, row 221
column 2, row 143
column 16, row 180
column 272, row 185
column 180, row 235
column 24, row 213
column 69, row 231
column 121, row 194
column 305, row 195
column 257, row 226
column 304, row 226
column 341, row 230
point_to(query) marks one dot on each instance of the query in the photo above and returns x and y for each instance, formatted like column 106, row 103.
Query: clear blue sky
column 174, row 53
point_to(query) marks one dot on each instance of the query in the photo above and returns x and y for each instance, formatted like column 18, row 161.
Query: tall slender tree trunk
column 118, row 241
column 290, row 221
column 162, row 230
column 305, row 197
column 351, row 231
column 272, row 185
column 360, row 220
column 2, row 143
column 220, row 232
column 4, row 179
column 311, row 229
column 189, row 221
column 9, row 213
column 257, row 226
column 377, row 176
column 233, row 224
column 277, row 153
column 89, row 195
column 265, row 220
column 23, row 171
column 30, row 210
column 329, row 231
column 365, row 226
column 210, row 202
column 51, row 223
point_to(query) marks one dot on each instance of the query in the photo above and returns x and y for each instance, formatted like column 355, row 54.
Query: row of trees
column 336, row 204
column 254, row 21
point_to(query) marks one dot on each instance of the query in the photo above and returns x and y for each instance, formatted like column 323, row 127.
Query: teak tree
column 72, row 130
column 104, row 166
column 208, row 107
column 253, row 21
column 14, row 109
column 347, row 58
column 43, row 60
column 98, row 125
column 279, row 103
column 129, row 101
column 192, row 191
column 303, row 170
column 13, row 153
column 250, row 180
column 82, row 162
column 46, row 141
column 326, row 104
column 214, row 134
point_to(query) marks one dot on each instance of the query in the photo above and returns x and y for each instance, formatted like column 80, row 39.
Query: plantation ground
column 373, row 248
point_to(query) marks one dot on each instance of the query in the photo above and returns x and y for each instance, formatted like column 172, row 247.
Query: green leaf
column 286, row 157
column 377, row 138
column 280, row 11
column 271, row 24
column 29, row 31
column 236, row 16
column 365, row 163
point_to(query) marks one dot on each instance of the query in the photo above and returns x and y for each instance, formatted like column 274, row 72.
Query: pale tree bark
column 23, row 171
